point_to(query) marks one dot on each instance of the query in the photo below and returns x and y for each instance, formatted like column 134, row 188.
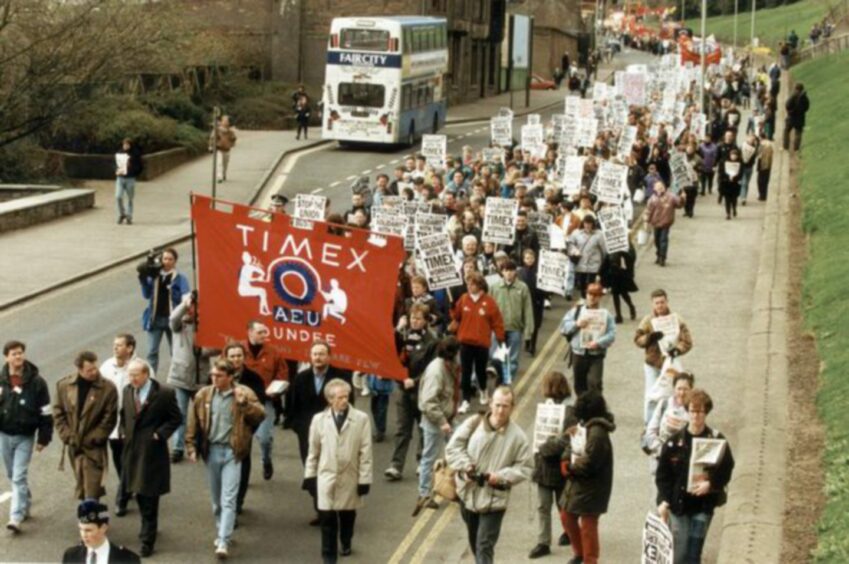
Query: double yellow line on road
column 545, row 360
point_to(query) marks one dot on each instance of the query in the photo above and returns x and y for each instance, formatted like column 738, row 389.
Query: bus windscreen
column 364, row 39
column 365, row 95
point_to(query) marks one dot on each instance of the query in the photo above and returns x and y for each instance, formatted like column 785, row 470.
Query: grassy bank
column 771, row 25
column 825, row 200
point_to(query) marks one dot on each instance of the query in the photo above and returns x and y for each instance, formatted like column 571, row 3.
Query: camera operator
column 163, row 288
column 491, row 454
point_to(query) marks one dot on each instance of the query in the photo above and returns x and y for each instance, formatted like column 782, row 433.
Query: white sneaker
column 464, row 408
column 546, row 304
column 484, row 397
column 221, row 552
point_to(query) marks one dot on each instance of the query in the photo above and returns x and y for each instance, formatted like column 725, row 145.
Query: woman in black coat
column 730, row 173
column 620, row 279
column 589, row 476
column 528, row 275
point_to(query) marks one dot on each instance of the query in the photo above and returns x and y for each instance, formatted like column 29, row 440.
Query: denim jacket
column 569, row 329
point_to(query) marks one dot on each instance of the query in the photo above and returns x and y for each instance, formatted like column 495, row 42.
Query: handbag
column 576, row 257
column 443, row 480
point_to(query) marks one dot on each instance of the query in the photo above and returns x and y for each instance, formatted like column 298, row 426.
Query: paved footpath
column 710, row 277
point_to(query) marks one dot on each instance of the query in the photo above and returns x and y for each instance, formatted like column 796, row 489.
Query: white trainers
column 464, row 408
column 484, row 397
column 221, row 552
column 546, row 304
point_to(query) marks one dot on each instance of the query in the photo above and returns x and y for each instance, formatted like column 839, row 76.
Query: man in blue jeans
column 437, row 405
column 220, row 430
column 163, row 288
column 514, row 300
column 24, row 409
column 660, row 214
column 688, row 505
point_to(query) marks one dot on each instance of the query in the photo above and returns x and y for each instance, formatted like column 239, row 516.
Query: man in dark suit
column 305, row 397
column 95, row 547
column 149, row 416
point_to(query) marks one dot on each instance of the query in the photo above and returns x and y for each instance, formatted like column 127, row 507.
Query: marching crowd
column 460, row 344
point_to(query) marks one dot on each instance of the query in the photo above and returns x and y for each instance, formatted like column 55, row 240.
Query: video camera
column 482, row 479
column 151, row 265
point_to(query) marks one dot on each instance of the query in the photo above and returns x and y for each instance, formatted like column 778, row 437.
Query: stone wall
column 44, row 204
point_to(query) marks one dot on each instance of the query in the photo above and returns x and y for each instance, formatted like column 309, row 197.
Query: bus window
column 364, row 39
column 417, row 40
column 407, row 97
column 408, row 41
column 367, row 95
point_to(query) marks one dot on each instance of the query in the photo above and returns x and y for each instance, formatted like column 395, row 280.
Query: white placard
column 548, row 423
column 491, row 155
column 410, row 211
column 310, row 206
column 626, row 142
column 634, row 88
column 534, row 119
column 437, row 259
column 552, row 270
column 614, row 228
column 572, row 174
column 428, row 224
column 670, row 326
column 704, row 453
column 434, row 149
column 657, row 541
column 599, row 91
column 539, row 222
column 596, row 326
column 389, row 222
column 499, row 221
column 610, row 181
column 682, row 173
column 587, row 132
column 501, row 131
column 532, row 137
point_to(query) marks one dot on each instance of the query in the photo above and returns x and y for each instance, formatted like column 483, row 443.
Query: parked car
column 540, row 83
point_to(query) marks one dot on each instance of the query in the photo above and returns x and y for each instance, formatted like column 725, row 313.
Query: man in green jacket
column 514, row 300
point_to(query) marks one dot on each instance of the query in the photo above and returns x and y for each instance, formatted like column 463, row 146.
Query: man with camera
column 163, row 288
column 490, row 454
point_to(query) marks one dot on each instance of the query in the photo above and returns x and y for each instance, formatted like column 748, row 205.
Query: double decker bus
column 384, row 80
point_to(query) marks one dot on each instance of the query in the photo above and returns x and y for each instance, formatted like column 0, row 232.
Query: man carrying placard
column 590, row 331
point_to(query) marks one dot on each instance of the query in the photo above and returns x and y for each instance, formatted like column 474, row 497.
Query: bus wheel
column 411, row 137
column 435, row 123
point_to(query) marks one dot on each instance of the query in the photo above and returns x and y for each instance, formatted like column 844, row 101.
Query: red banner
column 305, row 283
column 691, row 51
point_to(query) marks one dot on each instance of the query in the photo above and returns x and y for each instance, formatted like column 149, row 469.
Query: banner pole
column 193, row 240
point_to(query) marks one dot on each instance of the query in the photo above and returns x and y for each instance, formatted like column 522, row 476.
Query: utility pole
column 216, row 114
column 736, row 2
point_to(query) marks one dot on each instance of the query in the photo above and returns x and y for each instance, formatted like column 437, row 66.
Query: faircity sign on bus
column 363, row 59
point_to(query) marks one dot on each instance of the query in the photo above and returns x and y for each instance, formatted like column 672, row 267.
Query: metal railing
column 834, row 44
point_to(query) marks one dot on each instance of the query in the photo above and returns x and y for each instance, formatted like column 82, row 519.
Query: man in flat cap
column 95, row 547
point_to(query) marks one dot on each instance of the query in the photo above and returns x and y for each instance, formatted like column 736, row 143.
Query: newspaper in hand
column 548, row 422
column 578, row 442
column 704, row 454
column 122, row 161
column 596, row 325
column 670, row 327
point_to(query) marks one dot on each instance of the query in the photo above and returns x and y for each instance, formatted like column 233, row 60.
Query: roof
column 403, row 20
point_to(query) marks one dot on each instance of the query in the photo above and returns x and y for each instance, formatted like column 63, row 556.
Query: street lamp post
column 702, row 59
column 216, row 113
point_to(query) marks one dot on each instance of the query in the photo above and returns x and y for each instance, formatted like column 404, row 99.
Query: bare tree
column 54, row 54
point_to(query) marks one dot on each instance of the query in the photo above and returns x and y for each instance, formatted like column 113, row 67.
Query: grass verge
column 825, row 201
column 771, row 25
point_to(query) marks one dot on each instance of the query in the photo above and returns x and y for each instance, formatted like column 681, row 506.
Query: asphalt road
column 274, row 526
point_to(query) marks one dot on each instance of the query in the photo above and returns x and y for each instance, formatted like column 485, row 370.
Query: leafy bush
column 23, row 161
column 100, row 126
column 179, row 107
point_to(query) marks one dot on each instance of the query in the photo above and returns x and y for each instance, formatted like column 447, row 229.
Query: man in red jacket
column 265, row 360
column 475, row 318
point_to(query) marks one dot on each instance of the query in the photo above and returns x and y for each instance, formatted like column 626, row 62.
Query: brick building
column 287, row 39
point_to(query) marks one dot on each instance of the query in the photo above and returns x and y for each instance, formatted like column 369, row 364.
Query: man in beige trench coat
column 338, row 467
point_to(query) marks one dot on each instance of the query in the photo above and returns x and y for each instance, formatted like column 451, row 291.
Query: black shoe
column 633, row 313
column 539, row 550
column 267, row 470
column 146, row 550
column 315, row 522
column 120, row 220
column 576, row 560
column 129, row 221
column 564, row 540
column 345, row 550
column 379, row 437
column 121, row 511
column 618, row 322
column 176, row 456
column 657, row 260
column 662, row 262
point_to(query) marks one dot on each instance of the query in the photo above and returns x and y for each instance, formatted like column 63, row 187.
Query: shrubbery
column 23, row 161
